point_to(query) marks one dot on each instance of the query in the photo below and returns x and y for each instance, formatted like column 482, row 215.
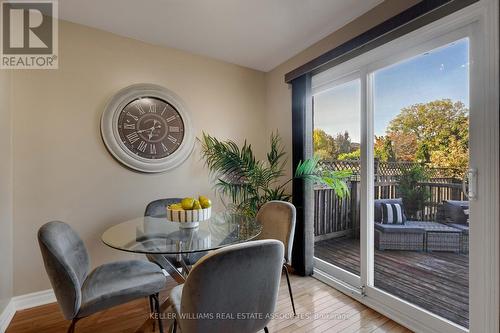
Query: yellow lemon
column 196, row 205
column 205, row 202
column 187, row 203
column 176, row 206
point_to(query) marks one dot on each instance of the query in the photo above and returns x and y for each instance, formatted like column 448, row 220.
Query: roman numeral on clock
column 152, row 149
column 165, row 149
column 152, row 108
column 171, row 118
column 142, row 146
column 172, row 139
column 173, row 129
column 133, row 137
column 129, row 126
column 131, row 115
column 164, row 109
column 141, row 110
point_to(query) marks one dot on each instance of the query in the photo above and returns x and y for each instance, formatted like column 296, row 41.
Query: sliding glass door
column 421, row 155
column 398, row 118
column 336, row 142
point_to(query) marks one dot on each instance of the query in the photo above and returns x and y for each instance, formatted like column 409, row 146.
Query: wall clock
column 146, row 127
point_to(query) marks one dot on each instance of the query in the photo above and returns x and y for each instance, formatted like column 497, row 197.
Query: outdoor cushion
column 463, row 227
column 392, row 213
column 454, row 211
column 399, row 228
column 378, row 208
column 431, row 226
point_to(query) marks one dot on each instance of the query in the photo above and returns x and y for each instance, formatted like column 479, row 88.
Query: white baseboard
column 34, row 299
column 6, row 316
column 24, row 302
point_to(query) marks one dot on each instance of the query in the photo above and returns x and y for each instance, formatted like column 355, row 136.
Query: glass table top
column 155, row 235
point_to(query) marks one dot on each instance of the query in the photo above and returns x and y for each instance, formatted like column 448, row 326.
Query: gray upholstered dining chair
column 231, row 281
column 80, row 293
column 278, row 222
column 157, row 208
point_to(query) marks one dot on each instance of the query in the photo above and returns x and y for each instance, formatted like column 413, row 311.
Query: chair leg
column 266, row 329
column 157, row 304
column 289, row 288
column 152, row 310
column 71, row 328
column 174, row 326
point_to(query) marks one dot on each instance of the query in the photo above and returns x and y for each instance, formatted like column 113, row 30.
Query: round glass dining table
column 173, row 246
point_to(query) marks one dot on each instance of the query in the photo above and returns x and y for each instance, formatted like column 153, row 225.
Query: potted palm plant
column 249, row 182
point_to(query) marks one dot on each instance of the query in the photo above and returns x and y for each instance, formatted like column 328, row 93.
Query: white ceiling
column 259, row 34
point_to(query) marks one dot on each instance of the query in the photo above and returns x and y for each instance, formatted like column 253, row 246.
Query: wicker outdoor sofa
column 453, row 214
column 450, row 233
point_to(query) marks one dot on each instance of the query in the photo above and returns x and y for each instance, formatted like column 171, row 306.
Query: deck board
column 437, row 281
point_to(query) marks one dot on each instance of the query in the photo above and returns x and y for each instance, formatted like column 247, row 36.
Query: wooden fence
column 336, row 217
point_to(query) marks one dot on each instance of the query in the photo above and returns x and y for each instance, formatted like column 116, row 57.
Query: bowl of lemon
column 190, row 211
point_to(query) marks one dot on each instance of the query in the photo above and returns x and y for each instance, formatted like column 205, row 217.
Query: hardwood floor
column 436, row 281
column 319, row 309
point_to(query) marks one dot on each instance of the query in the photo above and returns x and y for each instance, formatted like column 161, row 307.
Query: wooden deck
column 436, row 281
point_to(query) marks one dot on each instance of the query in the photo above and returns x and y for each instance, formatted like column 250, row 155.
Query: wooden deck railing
column 335, row 217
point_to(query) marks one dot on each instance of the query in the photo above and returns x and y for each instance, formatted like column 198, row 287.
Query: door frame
column 484, row 240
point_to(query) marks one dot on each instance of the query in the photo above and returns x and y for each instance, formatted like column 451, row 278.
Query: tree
column 343, row 144
column 329, row 147
column 353, row 155
column 403, row 145
column 324, row 144
column 436, row 133
column 383, row 149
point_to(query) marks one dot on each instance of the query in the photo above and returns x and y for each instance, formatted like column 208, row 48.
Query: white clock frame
column 111, row 137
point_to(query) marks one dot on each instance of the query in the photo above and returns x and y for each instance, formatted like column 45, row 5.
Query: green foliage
column 336, row 180
column 383, row 149
column 249, row 183
column 324, row 144
column 354, row 155
column 414, row 195
column 327, row 146
column 435, row 133
column 380, row 154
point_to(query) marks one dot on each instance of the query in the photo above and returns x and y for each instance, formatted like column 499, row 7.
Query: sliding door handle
column 469, row 184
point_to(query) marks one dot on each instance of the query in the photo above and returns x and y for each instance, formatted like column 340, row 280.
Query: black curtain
column 303, row 246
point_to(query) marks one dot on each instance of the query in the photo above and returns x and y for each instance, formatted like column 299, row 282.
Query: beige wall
column 5, row 191
column 278, row 106
column 62, row 169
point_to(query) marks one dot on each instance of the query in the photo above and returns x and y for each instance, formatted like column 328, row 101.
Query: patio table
column 439, row 237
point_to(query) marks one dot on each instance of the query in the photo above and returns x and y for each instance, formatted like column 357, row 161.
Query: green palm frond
column 276, row 153
column 249, row 183
column 336, row 180
column 307, row 169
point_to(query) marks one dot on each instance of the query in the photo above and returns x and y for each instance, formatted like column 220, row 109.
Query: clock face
column 147, row 128
column 150, row 128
